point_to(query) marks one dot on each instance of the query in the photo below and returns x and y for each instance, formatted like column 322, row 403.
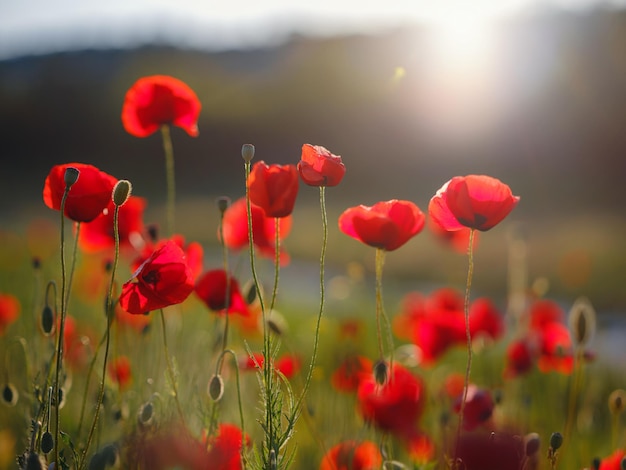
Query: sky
column 41, row 26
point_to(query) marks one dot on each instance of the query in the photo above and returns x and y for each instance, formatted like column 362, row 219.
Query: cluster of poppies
column 167, row 271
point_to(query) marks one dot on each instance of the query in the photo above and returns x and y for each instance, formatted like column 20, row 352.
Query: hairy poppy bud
column 582, row 322
column 617, row 401
column 47, row 442
column 595, row 463
column 121, row 192
column 216, row 387
column 223, row 202
column 71, row 176
column 247, row 152
column 9, row 394
column 532, row 444
column 556, row 440
column 47, row 320
column 380, row 372
column 145, row 418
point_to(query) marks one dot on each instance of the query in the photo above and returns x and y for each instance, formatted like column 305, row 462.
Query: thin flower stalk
column 170, row 368
column 170, row 177
column 110, row 316
column 468, row 285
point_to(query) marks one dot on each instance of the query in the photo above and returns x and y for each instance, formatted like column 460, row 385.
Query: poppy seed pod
column 556, row 440
column 121, row 192
column 617, row 401
column 582, row 322
column 71, row 176
column 216, row 387
column 145, row 417
column 247, row 152
column 223, row 202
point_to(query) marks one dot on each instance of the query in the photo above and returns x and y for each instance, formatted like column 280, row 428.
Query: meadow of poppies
column 134, row 347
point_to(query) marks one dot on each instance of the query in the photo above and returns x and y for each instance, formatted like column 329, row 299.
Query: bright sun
column 458, row 68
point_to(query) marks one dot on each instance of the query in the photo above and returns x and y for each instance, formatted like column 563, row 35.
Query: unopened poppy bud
column 146, row 415
column 380, row 372
column 47, row 320
column 617, row 401
column 121, row 192
column 9, row 394
column 556, row 440
column 223, row 202
column 153, row 232
column 276, row 323
column 532, row 443
column 71, row 176
column 247, row 152
column 36, row 261
column 595, row 463
column 216, row 387
column 622, row 464
column 47, row 442
column 582, row 322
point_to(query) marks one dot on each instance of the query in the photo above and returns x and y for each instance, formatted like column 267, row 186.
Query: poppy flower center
column 152, row 277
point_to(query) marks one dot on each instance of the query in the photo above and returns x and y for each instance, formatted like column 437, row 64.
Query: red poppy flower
column 396, row 406
column 87, row 198
column 288, row 364
column 613, row 461
column 194, row 253
column 211, row 288
column 158, row 100
column 555, row 349
column 225, row 448
column 485, row 319
column 352, row 455
column 9, row 311
column 274, row 188
column 319, row 167
column 120, row 371
column 98, row 234
column 235, row 228
column 387, row 225
column 163, row 279
column 520, row 358
column 482, row 451
column 437, row 333
column 348, row 376
column 478, row 407
column 476, row 201
column 543, row 312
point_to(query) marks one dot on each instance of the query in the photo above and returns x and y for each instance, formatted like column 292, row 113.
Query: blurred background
column 409, row 93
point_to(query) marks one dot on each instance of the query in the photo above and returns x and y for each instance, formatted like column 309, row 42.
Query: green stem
column 170, row 369
column 227, row 293
column 573, row 395
column 309, row 374
column 59, row 354
column 380, row 259
column 468, row 285
column 276, row 261
column 169, row 174
column 110, row 316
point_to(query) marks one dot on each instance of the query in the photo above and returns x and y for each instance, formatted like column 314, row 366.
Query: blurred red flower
column 352, row 455
column 120, row 371
column 77, row 343
column 478, row 407
column 520, row 358
column 319, row 167
column 613, row 461
column 396, row 406
column 484, row 451
column 163, row 279
column 9, row 311
column 158, row 100
column 436, row 322
column 288, row 364
column 225, row 448
column 348, row 376
column 235, row 228
column 458, row 240
column 273, row 188
column 87, row 198
column 387, row 225
column 476, row 201
column 98, row 234
column 211, row 288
